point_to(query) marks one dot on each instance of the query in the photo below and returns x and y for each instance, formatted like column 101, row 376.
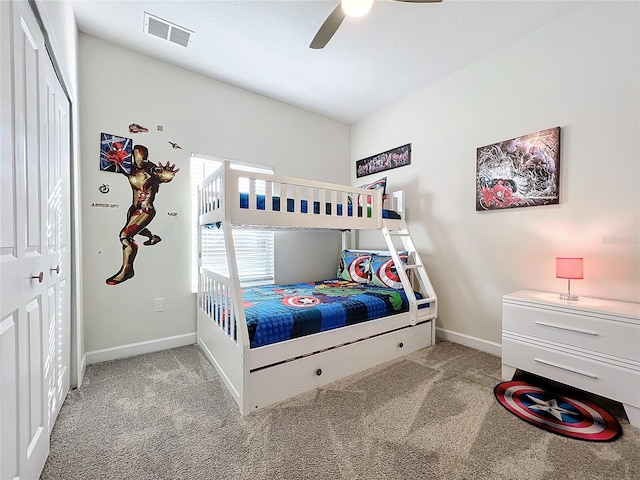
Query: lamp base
column 565, row 296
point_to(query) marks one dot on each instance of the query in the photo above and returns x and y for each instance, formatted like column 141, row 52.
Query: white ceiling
column 263, row 46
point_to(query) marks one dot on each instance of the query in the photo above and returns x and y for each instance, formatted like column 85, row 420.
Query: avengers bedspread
column 281, row 312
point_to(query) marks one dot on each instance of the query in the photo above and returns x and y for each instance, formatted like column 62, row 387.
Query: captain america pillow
column 355, row 266
column 381, row 183
column 383, row 271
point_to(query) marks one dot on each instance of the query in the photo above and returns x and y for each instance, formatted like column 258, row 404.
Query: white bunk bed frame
column 257, row 377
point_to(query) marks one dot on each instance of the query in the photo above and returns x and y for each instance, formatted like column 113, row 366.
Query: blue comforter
column 281, row 312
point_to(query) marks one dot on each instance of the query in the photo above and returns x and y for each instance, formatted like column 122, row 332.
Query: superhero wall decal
column 115, row 153
column 145, row 179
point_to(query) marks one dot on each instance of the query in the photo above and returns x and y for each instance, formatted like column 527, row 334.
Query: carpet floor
column 429, row 415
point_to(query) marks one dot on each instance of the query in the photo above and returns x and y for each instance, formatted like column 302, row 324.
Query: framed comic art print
column 519, row 172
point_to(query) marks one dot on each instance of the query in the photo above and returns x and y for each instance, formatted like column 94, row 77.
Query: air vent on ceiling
column 166, row 30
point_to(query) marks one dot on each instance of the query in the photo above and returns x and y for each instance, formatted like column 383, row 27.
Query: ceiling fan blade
column 328, row 28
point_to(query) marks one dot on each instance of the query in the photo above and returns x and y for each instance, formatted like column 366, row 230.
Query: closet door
column 34, row 299
column 55, row 147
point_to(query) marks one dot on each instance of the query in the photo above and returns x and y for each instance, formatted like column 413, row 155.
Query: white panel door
column 55, row 141
column 8, row 317
column 23, row 245
column 34, row 240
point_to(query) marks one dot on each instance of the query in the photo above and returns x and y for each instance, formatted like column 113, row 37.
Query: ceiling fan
column 347, row 8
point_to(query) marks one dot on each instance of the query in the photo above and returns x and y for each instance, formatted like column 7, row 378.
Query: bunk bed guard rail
column 258, row 199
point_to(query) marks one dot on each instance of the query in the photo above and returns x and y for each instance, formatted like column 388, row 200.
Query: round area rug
column 559, row 414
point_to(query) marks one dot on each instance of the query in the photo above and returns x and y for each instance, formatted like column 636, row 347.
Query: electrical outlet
column 158, row 305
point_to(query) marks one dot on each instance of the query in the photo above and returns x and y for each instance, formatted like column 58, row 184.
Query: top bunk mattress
column 276, row 313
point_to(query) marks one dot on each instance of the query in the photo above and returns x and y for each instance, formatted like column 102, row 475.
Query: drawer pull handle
column 562, row 327
column 569, row 369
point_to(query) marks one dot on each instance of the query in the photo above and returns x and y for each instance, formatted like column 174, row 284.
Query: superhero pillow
column 380, row 183
column 355, row 266
column 383, row 271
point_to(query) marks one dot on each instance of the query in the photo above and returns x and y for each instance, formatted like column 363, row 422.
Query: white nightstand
column 592, row 344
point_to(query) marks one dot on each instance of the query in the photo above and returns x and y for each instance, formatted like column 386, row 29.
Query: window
column 254, row 248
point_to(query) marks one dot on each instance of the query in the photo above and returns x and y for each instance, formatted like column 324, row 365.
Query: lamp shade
column 569, row 268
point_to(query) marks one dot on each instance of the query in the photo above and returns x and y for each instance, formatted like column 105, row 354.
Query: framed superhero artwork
column 115, row 153
column 519, row 172
column 396, row 157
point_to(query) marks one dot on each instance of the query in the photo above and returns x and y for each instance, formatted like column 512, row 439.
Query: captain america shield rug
column 556, row 413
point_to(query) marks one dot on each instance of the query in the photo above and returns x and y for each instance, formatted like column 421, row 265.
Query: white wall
column 580, row 73
column 119, row 87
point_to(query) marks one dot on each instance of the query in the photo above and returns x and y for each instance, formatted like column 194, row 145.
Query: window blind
column 254, row 248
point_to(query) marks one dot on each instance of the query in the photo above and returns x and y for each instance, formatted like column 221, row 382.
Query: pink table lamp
column 571, row 269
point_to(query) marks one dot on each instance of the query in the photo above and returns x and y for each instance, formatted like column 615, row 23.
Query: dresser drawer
column 580, row 330
column 586, row 373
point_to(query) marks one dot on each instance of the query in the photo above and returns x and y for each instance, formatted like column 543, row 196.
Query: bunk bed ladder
column 420, row 276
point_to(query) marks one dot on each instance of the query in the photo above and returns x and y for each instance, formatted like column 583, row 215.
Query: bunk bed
column 261, row 365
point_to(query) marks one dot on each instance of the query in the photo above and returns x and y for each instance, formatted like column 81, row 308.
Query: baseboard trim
column 149, row 346
column 139, row 348
column 469, row 341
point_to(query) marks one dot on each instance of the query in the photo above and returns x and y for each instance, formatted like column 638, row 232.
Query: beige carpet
column 430, row 415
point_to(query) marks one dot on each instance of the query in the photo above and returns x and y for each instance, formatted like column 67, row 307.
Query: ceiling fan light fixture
column 356, row 8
